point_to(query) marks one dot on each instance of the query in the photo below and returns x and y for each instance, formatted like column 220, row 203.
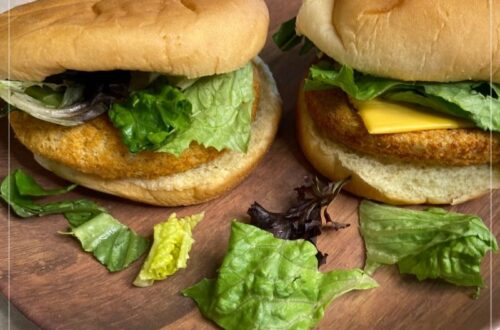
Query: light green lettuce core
column 172, row 243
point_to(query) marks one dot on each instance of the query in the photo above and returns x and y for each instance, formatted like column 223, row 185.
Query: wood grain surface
column 58, row 286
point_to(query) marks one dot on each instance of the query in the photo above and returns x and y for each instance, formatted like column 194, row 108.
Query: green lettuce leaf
column 429, row 244
column 222, row 113
column 268, row 283
column 170, row 250
column 18, row 188
column 286, row 38
column 27, row 186
column 474, row 101
column 148, row 117
column 112, row 243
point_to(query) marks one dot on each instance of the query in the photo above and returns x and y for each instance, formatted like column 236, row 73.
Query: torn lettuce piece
column 221, row 113
column 269, row 283
column 475, row 101
column 170, row 250
column 18, row 190
column 428, row 244
column 115, row 245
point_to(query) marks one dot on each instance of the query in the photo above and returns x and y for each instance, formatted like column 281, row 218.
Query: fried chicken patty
column 337, row 120
column 96, row 147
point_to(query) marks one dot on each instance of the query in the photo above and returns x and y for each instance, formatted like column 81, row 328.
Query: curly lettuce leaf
column 268, row 283
column 148, row 117
column 170, row 250
column 474, row 101
column 428, row 244
column 18, row 190
column 222, row 113
column 112, row 243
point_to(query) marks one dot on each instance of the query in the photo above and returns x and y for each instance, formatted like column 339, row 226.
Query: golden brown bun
column 335, row 118
column 96, row 147
column 204, row 182
column 393, row 182
column 177, row 37
column 428, row 40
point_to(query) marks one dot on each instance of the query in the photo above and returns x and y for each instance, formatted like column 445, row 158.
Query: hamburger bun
column 448, row 40
column 173, row 37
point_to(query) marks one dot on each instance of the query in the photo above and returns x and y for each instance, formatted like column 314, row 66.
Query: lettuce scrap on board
column 18, row 190
column 431, row 244
column 112, row 243
column 269, row 283
column 170, row 250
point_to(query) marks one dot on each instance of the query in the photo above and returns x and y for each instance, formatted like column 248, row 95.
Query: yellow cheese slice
column 383, row 117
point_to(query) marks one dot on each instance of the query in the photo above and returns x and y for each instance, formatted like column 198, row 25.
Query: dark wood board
column 58, row 286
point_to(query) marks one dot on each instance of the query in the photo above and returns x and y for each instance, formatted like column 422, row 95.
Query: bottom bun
column 204, row 182
column 392, row 182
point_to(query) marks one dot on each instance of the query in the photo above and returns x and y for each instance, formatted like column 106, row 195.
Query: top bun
column 426, row 40
column 190, row 38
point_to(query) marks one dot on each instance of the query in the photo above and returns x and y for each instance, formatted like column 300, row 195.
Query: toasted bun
column 427, row 40
column 177, row 37
column 204, row 182
column 394, row 182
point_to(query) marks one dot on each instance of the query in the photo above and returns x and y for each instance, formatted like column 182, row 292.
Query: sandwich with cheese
column 404, row 98
column 163, row 102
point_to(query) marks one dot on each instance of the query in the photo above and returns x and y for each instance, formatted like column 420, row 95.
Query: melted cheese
column 383, row 117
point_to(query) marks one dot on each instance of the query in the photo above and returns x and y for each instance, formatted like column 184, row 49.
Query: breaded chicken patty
column 96, row 147
column 337, row 120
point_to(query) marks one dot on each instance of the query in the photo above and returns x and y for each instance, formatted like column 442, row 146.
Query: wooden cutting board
column 58, row 286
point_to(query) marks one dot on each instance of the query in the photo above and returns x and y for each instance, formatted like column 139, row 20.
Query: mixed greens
column 170, row 250
column 429, row 244
column 304, row 220
column 67, row 99
column 151, row 112
column 269, row 283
